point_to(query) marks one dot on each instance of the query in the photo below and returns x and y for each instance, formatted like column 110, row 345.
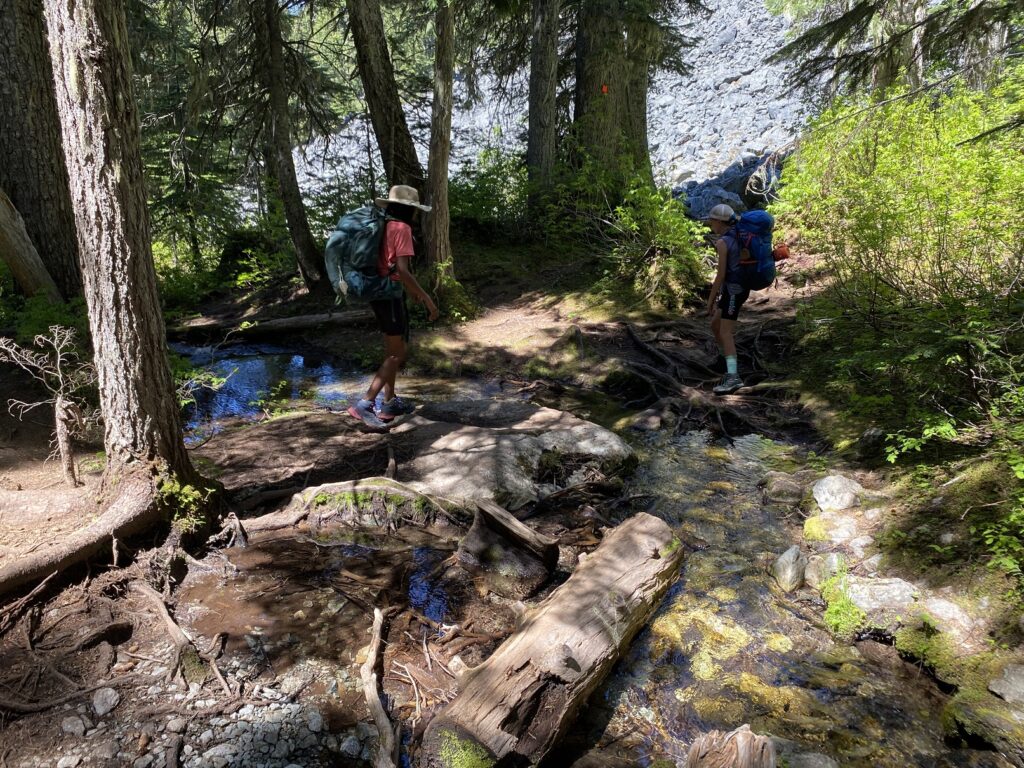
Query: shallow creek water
column 725, row 648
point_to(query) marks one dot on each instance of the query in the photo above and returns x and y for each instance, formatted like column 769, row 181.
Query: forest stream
column 726, row 646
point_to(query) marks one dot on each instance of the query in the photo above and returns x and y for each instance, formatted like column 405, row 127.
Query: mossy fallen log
column 519, row 702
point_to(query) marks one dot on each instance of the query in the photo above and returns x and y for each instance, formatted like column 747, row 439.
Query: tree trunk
column 643, row 39
column 32, row 166
column 401, row 165
column 436, row 224
column 20, row 255
column 64, row 421
column 541, row 134
column 515, row 705
column 601, row 85
column 279, row 142
column 100, row 125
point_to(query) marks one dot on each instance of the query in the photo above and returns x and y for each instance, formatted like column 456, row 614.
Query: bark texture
column 541, row 131
column 32, row 169
column 516, row 705
column 278, row 135
column 20, row 255
column 616, row 50
column 401, row 165
column 99, row 121
column 436, row 224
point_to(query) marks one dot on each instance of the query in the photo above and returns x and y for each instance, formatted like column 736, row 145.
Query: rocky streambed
column 744, row 636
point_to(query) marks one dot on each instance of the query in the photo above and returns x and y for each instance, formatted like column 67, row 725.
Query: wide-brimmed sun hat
column 721, row 212
column 402, row 195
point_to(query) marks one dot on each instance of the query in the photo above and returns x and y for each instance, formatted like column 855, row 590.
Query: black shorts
column 731, row 299
column 392, row 317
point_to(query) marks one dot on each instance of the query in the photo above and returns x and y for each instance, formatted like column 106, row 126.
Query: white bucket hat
column 403, row 195
column 722, row 212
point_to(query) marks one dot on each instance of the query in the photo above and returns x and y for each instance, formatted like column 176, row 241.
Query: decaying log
column 387, row 743
column 516, row 705
column 512, row 559
column 132, row 511
column 501, row 520
column 741, row 748
column 236, row 328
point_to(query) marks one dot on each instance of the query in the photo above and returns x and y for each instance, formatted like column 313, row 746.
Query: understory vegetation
column 913, row 204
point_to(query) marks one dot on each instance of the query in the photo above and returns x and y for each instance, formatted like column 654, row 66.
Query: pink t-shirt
column 397, row 242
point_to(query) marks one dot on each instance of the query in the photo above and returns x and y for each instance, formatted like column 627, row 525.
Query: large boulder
column 510, row 452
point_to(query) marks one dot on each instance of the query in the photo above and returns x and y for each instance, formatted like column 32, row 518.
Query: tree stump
column 741, row 748
column 517, row 704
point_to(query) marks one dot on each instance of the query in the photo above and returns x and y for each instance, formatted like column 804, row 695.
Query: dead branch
column 23, row 708
column 387, row 745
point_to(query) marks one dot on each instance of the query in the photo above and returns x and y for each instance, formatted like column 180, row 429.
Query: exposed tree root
column 387, row 745
column 187, row 662
column 27, row 708
column 132, row 511
column 302, row 504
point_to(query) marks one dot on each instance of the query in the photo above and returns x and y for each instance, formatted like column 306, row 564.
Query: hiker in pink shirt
column 396, row 251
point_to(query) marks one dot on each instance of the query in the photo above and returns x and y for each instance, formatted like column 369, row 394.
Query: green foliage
column 35, row 316
column 488, row 197
column 185, row 504
column 915, row 212
column 921, row 234
column 656, row 246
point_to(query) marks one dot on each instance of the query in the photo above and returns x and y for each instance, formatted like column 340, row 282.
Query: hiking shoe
column 730, row 383
column 363, row 410
column 396, row 406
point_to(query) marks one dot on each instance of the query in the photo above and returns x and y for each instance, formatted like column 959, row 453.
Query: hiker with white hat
column 727, row 295
column 396, row 252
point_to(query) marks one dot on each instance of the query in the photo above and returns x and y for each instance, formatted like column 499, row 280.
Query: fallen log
column 517, row 704
column 250, row 329
column 132, row 511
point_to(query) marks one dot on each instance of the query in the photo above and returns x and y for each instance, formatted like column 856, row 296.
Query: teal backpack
column 352, row 254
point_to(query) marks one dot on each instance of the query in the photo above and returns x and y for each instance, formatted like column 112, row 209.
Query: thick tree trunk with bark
column 99, row 121
column 643, row 39
column 516, row 705
column 541, row 132
column 32, row 169
column 436, row 224
column 279, row 143
column 601, row 81
column 20, row 255
column 401, row 165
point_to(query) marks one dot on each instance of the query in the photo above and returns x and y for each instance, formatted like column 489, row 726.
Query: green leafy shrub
column 487, row 197
column 913, row 205
column 656, row 246
column 920, row 229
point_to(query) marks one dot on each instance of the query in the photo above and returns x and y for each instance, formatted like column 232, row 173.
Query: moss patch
column 457, row 752
column 842, row 616
column 815, row 529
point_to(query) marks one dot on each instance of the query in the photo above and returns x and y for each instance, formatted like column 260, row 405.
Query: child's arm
column 407, row 279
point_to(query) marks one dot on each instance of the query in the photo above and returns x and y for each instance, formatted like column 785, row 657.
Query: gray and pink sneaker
column 363, row 410
column 396, row 406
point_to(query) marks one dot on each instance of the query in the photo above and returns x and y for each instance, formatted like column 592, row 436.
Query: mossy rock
column 815, row 529
column 984, row 717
